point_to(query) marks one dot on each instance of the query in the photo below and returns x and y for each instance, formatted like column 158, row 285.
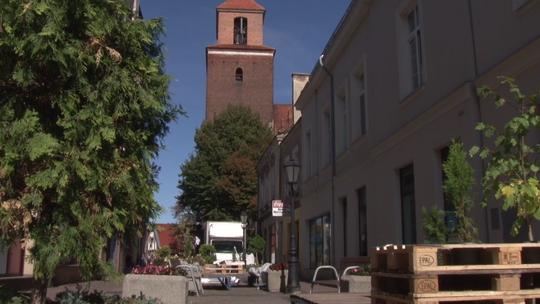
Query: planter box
column 276, row 281
column 170, row 289
column 351, row 283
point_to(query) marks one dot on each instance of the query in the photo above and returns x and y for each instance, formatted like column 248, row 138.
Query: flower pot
column 170, row 289
column 275, row 280
column 355, row 283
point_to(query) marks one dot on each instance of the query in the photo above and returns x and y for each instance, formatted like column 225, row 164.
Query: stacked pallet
column 211, row 269
column 475, row 273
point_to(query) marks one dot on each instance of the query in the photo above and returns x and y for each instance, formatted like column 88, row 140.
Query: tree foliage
column 219, row 180
column 511, row 174
column 434, row 226
column 84, row 105
column 458, row 190
column 256, row 245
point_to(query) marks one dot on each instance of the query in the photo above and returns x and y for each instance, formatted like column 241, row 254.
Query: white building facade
column 400, row 84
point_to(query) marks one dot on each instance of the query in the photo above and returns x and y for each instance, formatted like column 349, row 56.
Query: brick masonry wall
column 226, row 27
column 256, row 90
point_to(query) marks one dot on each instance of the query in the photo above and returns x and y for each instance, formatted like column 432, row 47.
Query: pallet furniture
column 345, row 265
column 224, row 273
column 433, row 274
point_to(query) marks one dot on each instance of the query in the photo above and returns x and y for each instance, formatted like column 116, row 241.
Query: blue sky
column 298, row 29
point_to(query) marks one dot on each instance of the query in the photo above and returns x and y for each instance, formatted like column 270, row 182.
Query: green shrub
column 97, row 297
column 188, row 247
column 160, row 262
column 256, row 246
column 208, row 253
column 164, row 252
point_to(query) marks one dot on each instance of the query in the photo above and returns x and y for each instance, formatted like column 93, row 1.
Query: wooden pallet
column 423, row 259
column 480, row 297
column 405, row 284
column 211, row 269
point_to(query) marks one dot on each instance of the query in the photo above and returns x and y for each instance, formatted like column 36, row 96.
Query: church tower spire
column 239, row 67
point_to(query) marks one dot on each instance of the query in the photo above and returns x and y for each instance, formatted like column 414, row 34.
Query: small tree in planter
column 457, row 188
column 435, row 229
column 513, row 166
column 256, row 246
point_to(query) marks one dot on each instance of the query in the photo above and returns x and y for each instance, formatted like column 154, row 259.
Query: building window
column 345, row 226
column 415, row 49
column 327, row 138
column 449, row 208
column 362, row 101
column 239, row 75
column 319, row 241
column 408, row 208
column 341, row 119
column 240, row 30
column 517, row 4
column 308, row 155
column 273, row 244
column 362, row 220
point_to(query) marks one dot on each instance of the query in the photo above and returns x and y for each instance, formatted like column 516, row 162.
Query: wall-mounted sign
column 281, row 208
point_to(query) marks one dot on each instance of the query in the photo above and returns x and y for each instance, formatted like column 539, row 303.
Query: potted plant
column 356, row 280
column 435, row 229
column 151, row 280
column 511, row 173
column 275, row 277
column 457, row 187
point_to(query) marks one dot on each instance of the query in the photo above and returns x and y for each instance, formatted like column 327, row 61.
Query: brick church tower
column 239, row 68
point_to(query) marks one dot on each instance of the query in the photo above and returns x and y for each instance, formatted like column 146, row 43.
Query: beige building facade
column 398, row 85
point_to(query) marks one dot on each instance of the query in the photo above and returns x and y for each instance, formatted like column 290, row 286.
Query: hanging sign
column 281, row 208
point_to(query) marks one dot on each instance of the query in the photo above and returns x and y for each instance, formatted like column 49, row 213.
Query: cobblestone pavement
column 242, row 294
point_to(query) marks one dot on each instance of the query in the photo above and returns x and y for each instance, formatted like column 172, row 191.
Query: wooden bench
column 345, row 265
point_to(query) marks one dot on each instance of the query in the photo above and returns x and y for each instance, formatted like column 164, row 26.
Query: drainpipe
column 478, row 109
column 333, row 155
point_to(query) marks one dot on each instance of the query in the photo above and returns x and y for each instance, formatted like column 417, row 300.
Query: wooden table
column 330, row 298
column 225, row 278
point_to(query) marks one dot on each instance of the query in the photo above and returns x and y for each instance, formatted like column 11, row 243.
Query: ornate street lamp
column 293, row 283
column 243, row 219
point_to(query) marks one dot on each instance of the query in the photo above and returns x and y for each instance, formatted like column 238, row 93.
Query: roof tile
column 241, row 5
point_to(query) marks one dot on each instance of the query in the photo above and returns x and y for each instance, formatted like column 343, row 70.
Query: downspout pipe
column 478, row 108
column 333, row 155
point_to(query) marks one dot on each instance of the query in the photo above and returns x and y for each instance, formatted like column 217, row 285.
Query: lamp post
column 293, row 283
column 243, row 219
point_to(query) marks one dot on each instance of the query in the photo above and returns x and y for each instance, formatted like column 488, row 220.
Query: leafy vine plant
column 511, row 173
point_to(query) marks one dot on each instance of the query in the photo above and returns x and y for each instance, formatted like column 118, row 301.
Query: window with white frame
column 517, row 4
column 341, row 119
column 326, row 138
column 362, row 103
column 415, row 49
column 308, row 155
column 411, row 58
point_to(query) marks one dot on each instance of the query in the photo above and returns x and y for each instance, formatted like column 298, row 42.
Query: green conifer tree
column 84, row 105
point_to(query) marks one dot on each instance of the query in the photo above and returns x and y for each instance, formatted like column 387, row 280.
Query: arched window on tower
column 239, row 75
column 240, row 30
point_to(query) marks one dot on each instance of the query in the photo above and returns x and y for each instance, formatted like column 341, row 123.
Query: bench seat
column 346, row 264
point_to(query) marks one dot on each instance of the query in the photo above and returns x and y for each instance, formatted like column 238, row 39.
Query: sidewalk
column 242, row 294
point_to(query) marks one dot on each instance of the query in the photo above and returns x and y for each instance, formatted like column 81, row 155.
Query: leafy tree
column 84, row 106
column 219, row 180
column 457, row 188
column 511, row 174
column 256, row 246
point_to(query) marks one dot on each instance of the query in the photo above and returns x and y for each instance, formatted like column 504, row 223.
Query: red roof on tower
column 241, row 5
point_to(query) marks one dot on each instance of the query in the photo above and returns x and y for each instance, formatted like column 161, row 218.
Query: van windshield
column 227, row 246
